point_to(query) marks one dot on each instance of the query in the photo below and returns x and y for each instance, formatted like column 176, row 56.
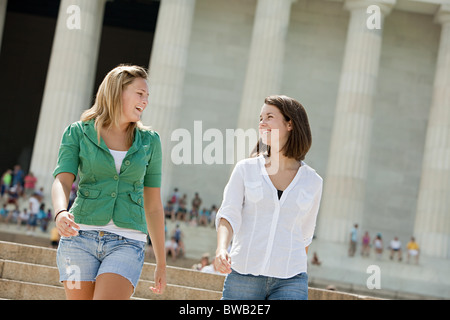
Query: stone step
column 20, row 290
column 34, row 274
column 175, row 292
column 174, row 275
column 29, row 272
column 186, row 277
column 27, row 253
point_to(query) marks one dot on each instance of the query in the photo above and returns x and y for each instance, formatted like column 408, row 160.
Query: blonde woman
column 101, row 252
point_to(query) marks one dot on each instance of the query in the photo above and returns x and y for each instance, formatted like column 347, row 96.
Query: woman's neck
column 118, row 129
column 279, row 162
column 116, row 138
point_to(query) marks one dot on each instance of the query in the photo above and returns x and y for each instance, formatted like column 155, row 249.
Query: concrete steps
column 29, row 273
column 19, row 290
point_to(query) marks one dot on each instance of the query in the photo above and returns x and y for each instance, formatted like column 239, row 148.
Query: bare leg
column 111, row 286
column 79, row 290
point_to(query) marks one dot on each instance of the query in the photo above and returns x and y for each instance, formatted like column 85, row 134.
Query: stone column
column 3, row 5
column 265, row 62
column 344, row 184
column 70, row 80
column 166, row 75
column 432, row 225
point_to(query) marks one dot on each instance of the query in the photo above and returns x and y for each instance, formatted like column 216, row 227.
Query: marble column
column 344, row 183
column 265, row 62
column 3, row 5
column 166, row 75
column 70, row 81
column 432, row 224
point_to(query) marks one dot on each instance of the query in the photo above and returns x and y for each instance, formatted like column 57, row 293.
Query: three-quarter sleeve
column 233, row 199
column 69, row 150
column 309, row 220
column 152, row 176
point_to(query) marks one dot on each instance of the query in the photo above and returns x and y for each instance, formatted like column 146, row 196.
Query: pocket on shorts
column 136, row 243
column 137, row 246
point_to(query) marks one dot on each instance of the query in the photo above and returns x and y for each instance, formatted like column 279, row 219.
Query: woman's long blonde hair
column 107, row 109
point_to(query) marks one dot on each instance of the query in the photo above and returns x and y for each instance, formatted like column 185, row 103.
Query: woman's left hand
column 160, row 280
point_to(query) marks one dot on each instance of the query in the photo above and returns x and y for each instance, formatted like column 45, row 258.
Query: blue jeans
column 249, row 287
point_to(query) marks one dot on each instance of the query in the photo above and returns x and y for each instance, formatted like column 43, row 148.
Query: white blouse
column 270, row 234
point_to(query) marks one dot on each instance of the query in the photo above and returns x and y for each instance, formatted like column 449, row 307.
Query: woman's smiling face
column 134, row 100
column 273, row 126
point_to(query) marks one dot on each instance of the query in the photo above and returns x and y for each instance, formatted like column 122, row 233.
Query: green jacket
column 102, row 193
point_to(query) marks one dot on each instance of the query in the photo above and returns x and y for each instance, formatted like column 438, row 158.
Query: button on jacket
column 102, row 193
column 270, row 234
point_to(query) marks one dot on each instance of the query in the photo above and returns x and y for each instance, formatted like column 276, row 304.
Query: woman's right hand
column 222, row 262
column 66, row 225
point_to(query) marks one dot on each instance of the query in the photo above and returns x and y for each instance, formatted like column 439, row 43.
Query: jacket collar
column 91, row 133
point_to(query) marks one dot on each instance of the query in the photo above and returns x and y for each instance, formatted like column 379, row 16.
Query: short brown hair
column 300, row 139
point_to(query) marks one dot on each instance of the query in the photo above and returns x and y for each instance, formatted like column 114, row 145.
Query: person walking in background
column 105, row 232
column 43, row 218
column 34, row 204
column 353, row 240
column 6, row 182
column 365, row 251
column 269, row 208
column 196, row 203
column 18, row 178
column 174, row 198
column 315, row 260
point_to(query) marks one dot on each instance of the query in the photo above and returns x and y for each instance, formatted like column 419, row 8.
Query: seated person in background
column 413, row 249
column 204, row 261
column 396, row 248
column 172, row 248
column 168, row 211
column 315, row 259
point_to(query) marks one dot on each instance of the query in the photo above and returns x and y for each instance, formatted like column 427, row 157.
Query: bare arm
column 60, row 197
column 224, row 234
column 61, row 189
column 154, row 214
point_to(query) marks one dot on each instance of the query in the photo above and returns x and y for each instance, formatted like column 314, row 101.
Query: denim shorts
column 249, row 287
column 89, row 254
